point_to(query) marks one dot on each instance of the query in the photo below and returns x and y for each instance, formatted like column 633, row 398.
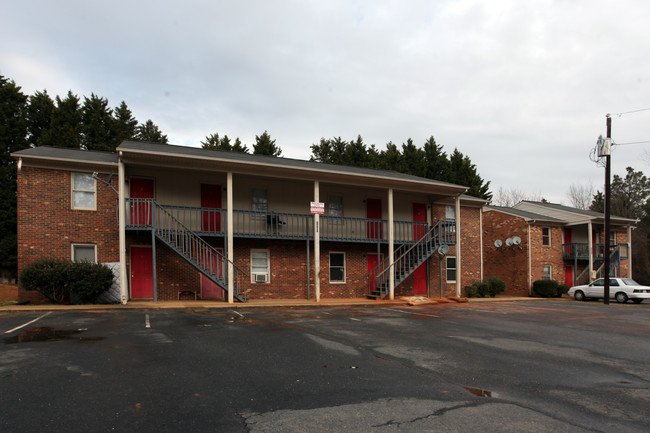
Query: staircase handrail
column 201, row 250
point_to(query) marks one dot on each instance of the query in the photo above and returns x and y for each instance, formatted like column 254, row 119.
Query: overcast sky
column 521, row 87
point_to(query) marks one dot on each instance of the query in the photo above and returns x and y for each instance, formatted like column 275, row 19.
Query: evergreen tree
column 150, row 132
column 98, row 125
column 65, row 128
column 13, row 133
column 436, row 161
column 214, row 142
column 463, row 172
column 124, row 123
column 265, row 146
column 413, row 159
column 39, row 116
column 391, row 158
column 356, row 154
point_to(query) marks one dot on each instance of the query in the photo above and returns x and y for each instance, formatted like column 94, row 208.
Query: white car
column 620, row 289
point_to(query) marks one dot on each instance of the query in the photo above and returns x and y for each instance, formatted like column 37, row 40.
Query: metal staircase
column 197, row 252
column 408, row 257
column 614, row 260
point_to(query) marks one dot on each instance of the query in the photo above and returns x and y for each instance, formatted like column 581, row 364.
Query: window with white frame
column 260, row 201
column 451, row 269
column 612, row 238
column 84, row 190
column 546, row 236
column 260, row 266
column 547, row 272
column 450, row 212
column 84, row 253
column 335, row 206
column 337, row 267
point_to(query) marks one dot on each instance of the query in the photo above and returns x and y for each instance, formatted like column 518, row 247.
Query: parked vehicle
column 620, row 289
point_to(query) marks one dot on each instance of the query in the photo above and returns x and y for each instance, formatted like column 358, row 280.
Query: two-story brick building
column 536, row 240
column 183, row 221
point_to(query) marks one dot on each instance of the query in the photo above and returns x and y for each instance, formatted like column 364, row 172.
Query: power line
column 630, row 112
column 631, row 142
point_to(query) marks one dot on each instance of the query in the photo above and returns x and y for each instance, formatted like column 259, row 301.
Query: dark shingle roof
column 524, row 214
column 66, row 154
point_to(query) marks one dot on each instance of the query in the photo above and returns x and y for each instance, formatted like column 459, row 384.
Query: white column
column 629, row 251
column 317, row 244
column 229, row 234
column 391, row 245
column 122, row 229
column 458, row 248
column 590, row 240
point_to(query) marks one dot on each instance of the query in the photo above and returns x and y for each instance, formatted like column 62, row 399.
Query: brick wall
column 508, row 263
column 48, row 226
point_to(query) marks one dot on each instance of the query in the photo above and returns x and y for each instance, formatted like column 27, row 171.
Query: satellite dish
column 516, row 240
column 509, row 242
column 498, row 243
column 443, row 249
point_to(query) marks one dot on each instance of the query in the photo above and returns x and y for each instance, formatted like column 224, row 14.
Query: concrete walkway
column 256, row 303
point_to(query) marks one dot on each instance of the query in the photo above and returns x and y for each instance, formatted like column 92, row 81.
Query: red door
column 568, row 275
column 141, row 273
column 211, row 199
column 210, row 289
column 141, row 211
column 420, row 274
column 372, row 264
column 568, row 249
column 373, row 211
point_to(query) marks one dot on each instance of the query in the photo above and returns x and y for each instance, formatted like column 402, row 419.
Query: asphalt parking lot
column 507, row 367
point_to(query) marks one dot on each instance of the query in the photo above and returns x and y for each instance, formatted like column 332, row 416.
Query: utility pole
column 607, row 206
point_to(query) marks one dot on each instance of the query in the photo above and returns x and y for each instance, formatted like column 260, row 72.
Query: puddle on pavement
column 478, row 392
column 44, row 333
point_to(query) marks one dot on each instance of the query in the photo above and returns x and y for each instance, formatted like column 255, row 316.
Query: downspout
column 629, row 251
column 480, row 225
column 458, row 254
column 317, row 244
column 530, row 264
column 122, row 228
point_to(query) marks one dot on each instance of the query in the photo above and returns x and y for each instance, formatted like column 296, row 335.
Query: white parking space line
column 147, row 322
column 352, row 318
column 412, row 313
column 238, row 313
column 28, row 323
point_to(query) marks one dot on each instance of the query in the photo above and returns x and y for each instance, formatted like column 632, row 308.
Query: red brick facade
column 48, row 226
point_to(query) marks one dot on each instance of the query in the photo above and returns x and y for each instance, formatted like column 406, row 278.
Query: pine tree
column 65, row 128
column 436, row 161
column 13, row 133
column 214, row 142
column 265, row 146
column 124, row 123
column 39, row 116
column 150, row 132
column 98, row 125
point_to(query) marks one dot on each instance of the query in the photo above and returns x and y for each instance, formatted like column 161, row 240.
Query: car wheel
column 579, row 296
column 621, row 298
column 637, row 301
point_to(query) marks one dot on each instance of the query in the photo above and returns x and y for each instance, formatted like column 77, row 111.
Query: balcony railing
column 580, row 251
column 275, row 225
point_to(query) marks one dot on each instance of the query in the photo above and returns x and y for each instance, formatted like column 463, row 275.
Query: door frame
column 131, row 270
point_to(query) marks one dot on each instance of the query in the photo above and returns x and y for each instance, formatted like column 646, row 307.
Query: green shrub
column 471, row 291
column 57, row 279
column 495, row 286
column 48, row 277
column 547, row 288
column 562, row 289
column 89, row 280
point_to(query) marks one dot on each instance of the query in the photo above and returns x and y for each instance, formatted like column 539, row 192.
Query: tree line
column 90, row 123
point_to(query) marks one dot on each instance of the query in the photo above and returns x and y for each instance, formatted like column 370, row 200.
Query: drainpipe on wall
column 530, row 265
column 629, row 251
column 590, row 240
column 122, row 229
column 317, row 244
column 458, row 255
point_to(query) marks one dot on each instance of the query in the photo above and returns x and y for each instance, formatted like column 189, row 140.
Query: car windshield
column 629, row 282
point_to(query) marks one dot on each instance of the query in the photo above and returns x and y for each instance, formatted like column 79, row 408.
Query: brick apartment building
column 181, row 221
column 534, row 241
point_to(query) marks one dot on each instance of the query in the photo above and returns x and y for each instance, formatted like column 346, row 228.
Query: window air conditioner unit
column 260, row 278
